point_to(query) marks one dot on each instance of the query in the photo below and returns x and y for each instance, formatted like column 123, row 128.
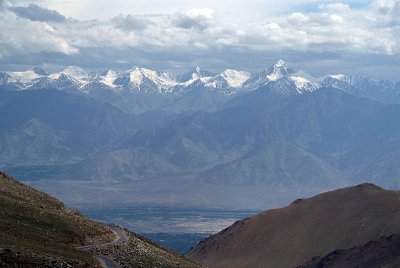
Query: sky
column 320, row 37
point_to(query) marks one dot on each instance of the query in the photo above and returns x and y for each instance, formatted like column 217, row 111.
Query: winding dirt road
column 120, row 238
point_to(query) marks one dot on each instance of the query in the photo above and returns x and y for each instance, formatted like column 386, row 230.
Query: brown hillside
column 36, row 229
column 292, row 235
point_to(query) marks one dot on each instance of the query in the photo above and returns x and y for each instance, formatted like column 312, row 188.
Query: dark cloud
column 130, row 23
column 36, row 13
column 2, row 5
column 194, row 19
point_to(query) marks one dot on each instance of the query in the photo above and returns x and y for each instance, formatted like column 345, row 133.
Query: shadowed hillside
column 384, row 252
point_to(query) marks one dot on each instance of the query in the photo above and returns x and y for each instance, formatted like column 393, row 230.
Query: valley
column 177, row 229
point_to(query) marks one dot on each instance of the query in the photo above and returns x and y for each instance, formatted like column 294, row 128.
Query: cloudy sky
column 318, row 36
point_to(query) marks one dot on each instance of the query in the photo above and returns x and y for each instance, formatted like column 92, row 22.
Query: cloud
column 335, row 7
column 389, row 11
column 36, row 13
column 327, row 33
column 130, row 23
column 385, row 7
column 199, row 19
column 20, row 38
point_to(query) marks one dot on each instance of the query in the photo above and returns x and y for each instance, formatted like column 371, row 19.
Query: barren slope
column 294, row 234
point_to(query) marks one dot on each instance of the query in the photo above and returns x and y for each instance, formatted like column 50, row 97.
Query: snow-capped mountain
column 77, row 73
column 229, row 79
column 283, row 80
column 193, row 75
column 279, row 77
column 145, row 80
column 59, row 81
column 227, row 83
column 277, row 71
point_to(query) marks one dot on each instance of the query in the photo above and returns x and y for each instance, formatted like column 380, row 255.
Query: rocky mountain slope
column 383, row 252
column 292, row 235
column 37, row 230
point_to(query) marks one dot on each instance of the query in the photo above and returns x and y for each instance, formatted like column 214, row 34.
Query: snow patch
column 108, row 78
column 235, row 78
column 24, row 77
column 76, row 72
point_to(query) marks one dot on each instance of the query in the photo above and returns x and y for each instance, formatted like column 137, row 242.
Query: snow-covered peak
column 196, row 74
column 108, row 73
column 280, row 63
column 138, row 76
column 108, row 77
column 284, row 80
column 193, row 75
column 135, row 75
column 307, row 76
column 235, row 78
column 76, row 72
column 278, row 70
column 304, row 85
column 341, row 77
column 24, row 77
column 40, row 71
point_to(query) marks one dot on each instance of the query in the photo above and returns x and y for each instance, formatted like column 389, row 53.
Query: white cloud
column 335, row 7
column 387, row 6
column 298, row 18
column 23, row 36
column 203, row 35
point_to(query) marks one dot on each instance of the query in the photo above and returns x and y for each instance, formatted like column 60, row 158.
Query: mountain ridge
column 229, row 82
column 316, row 226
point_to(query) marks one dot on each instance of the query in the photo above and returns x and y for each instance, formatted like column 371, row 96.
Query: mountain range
column 109, row 85
column 199, row 139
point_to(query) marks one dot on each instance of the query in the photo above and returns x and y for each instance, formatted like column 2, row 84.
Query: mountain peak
column 280, row 63
column 235, row 78
column 108, row 73
column 134, row 68
column 75, row 72
column 39, row 71
column 278, row 70
column 194, row 74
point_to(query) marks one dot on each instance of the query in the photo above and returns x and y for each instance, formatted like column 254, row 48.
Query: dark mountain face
column 383, row 252
column 306, row 228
